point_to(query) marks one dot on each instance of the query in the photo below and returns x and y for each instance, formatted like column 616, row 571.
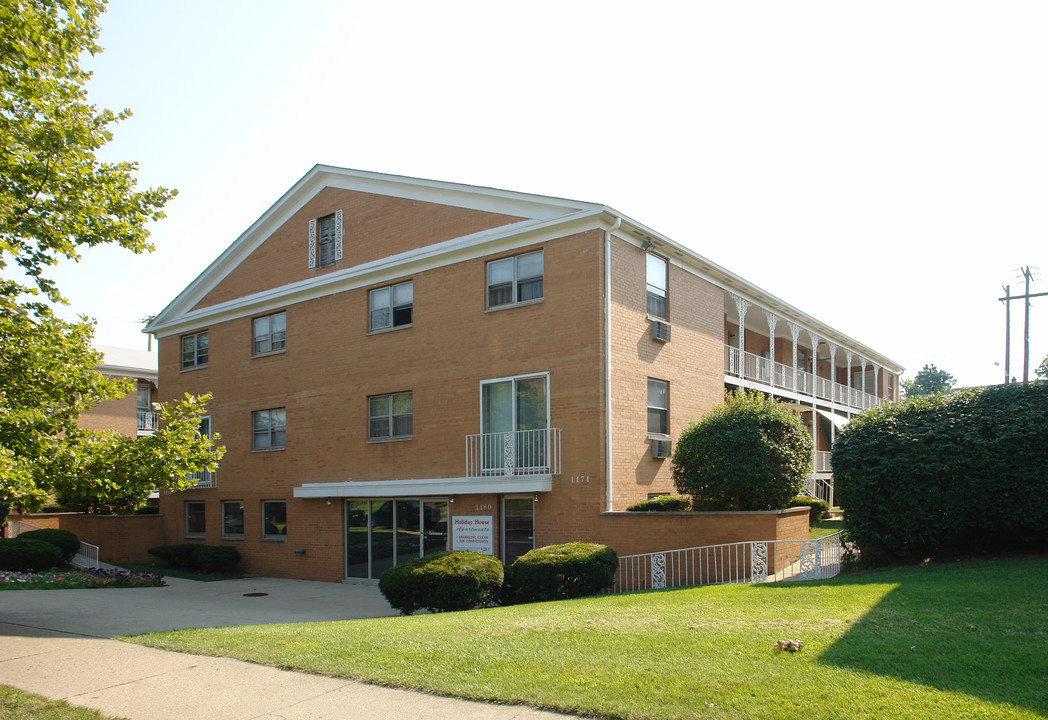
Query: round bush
column 66, row 541
column 559, row 572
column 662, row 503
column 816, row 507
column 752, row 453
column 176, row 556
column 214, row 558
column 443, row 582
column 22, row 555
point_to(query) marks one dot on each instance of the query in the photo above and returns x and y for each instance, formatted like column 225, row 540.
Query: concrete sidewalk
column 53, row 643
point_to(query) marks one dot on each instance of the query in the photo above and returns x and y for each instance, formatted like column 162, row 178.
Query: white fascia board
column 532, row 207
column 429, row 487
column 690, row 261
column 468, row 247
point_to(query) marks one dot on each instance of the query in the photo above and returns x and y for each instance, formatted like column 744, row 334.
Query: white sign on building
column 473, row 532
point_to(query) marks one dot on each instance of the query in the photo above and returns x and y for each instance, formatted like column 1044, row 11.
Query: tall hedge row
column 953, row 472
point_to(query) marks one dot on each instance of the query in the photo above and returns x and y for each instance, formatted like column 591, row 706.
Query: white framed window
column 657, row 302
column 233, row 519
column 270, row 333
column 658, row 407
column 390, row 307
column 390, row 416
column 194, row 350
column 268, row 429
column 274, row 519
column 325, row 240
column 195, row 526
column 515, row 280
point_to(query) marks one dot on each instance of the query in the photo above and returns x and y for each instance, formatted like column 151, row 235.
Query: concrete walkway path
column 55, row 643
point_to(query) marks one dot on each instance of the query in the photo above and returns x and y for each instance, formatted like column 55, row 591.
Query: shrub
column 148, row 510
column 443, row 582
column 751, row 453
column 816, row 507
column 214, row 558
column 916, row 477
column 22, row 555
column 179, row 556
column 662, row 503
column 559, row 572
column 64, row 540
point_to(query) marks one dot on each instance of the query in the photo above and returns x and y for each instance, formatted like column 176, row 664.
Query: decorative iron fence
column 148, row 421
column 742, row 562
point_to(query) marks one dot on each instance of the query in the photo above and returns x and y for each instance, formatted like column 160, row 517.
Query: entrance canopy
column 426, row 487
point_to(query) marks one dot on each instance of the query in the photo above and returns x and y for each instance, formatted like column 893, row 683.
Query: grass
column 825, row 527
column 961, row 640
column 164, row 569
column 77, row 579
column 18, row 705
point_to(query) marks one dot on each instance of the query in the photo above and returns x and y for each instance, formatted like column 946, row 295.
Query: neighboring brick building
column 399, row 365
column 133, row 414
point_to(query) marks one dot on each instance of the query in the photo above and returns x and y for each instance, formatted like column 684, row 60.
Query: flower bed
column 78, row 579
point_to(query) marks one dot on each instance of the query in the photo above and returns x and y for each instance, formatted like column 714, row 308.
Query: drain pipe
column 607, row 360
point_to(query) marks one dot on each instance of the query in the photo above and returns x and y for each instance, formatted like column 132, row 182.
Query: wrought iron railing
column 148, row 421
column 820, row 487
column 742, row 562
column 204, row 480
column 763, row 370
column 86, row 555
column 522, row 452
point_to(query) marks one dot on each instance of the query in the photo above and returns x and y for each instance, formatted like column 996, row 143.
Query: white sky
column 881, row 166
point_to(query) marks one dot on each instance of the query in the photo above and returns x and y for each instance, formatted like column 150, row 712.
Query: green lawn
column 18, row 705
column 825, row 527
column 960, row 640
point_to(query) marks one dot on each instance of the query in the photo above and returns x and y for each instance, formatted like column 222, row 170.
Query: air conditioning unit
column 660, row 331
column 661, row 449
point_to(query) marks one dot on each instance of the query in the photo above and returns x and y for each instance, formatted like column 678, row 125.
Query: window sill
column 656, row 318
column 274, row 538
column 267, row 354
column 268, row 450
column 398, row 438
column 522, row 303
column 194, row 367
column 658, row 436
column 383, row 331
column 233, row 538
column 195, row 537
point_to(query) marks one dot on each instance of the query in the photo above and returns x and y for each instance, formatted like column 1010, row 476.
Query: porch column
column 876, row 378
column 741, row 305
column 847, row 379
column 795, row 331
column 773, row 320
column 862, row 373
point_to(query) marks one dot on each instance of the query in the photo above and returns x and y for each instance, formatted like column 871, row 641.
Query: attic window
column 325, row 240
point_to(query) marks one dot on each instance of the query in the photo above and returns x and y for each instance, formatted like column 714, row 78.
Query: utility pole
column 1007, row 300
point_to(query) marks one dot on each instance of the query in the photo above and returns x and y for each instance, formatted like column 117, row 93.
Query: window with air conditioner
column 658, row 304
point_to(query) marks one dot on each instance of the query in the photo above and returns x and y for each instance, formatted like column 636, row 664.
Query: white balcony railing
column 204, row 480
column 523, row 452
column 148, row 421
column 762, row 370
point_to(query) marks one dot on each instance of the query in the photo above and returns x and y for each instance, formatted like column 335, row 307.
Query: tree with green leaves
column 56, row 198
column 1042, row 369
column 929, row 381
column 752, row 453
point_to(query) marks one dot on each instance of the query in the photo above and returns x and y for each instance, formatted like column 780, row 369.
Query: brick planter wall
column 120, row 538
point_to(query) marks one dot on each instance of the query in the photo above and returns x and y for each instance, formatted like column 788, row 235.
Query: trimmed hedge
column 662, row 503
column 816, row 508
column 22, row 555
column 443, row 582
column 752, row 453
column 64, row 540
column 559, row 572
column 951, row 472
column 195, row 556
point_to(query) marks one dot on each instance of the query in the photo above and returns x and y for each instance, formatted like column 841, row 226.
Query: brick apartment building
column 403, row 366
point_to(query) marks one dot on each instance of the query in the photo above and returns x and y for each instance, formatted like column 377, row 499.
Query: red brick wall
column 120, row 415
column 120, row 538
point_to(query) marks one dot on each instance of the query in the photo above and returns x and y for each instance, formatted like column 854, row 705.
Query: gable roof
column 546, row 218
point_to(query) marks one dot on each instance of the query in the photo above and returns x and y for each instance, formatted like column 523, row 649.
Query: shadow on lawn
column 978, row 628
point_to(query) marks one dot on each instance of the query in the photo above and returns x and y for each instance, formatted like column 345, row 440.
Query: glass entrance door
column 514, row 418
column 518, row 527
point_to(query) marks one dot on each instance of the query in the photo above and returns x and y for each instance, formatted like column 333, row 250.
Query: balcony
column 764, row 371
column 204, row 480
column 148, row 421
column 513, row 454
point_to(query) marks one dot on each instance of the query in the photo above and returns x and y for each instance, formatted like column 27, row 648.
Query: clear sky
column 881, row 166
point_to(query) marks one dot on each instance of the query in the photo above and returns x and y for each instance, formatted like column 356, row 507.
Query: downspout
column 607, row 359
